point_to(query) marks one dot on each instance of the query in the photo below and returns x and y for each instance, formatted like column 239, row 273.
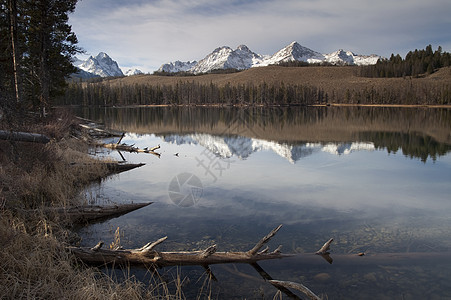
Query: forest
column 416, row 63
column 258, row 94
column 36, row 48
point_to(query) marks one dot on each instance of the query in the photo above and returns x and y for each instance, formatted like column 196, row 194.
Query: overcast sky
column 146, row 34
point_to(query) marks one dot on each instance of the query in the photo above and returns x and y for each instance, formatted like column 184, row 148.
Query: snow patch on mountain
column 101, row 65
column 131, row 72
column 177, row 66
column 349, row 58
column 243, row 58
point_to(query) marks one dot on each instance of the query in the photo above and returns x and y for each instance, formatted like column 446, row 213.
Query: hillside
column 332, row 80
column 316, row 76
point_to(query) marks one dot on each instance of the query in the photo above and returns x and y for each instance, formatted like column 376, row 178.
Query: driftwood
column 112, row 167
column 121, row 167
column 92, row 213
column 325, row 248
column 23, row 137
column 146, row 256
column 130, row 148
column 94, row 130
column 324, row 251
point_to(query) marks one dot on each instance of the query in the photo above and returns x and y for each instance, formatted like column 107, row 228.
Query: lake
column 376, row 180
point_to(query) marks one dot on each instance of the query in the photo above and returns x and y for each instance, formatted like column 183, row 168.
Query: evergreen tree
column 37, row 55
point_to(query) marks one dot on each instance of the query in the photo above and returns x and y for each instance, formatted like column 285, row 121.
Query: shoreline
column 218, row 105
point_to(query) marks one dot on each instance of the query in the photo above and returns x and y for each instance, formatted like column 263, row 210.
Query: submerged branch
column 297, row 286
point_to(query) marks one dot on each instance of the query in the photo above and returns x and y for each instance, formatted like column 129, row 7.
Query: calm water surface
column 376, row 180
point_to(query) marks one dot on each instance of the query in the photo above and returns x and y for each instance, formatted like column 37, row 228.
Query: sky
column 145, row 34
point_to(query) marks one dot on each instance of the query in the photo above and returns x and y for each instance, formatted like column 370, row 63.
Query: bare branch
column 263, row 241
column 264, row 250
column 209, row 251
column 277, row 250
column 149, row 246
column 323, row 250
column 297, row 286
column 98, row 246
column 154, row 148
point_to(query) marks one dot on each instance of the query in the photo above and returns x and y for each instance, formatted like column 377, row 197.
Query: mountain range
column 225, row 57
column 101, row 66
column 243, row 58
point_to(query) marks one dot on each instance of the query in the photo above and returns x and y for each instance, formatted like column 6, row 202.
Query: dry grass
column 327, row 78
column 34, row 175
column 36, row 266
column 33, row 262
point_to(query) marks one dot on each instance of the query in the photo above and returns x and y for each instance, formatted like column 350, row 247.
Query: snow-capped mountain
column 101, row 65
column 243, row 58
column 242, row 147
column 177, row 66
column 227, row 58
column 349, row 58
column 131, row 72
column 294, row 52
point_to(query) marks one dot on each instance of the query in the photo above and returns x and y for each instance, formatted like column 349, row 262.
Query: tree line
column 191, row 93
column 415, row 63
column 36, row 48
column 263, row 94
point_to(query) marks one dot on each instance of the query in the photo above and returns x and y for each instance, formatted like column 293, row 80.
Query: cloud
column 150, row 33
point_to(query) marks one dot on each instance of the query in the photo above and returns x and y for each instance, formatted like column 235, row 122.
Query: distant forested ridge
column 415, row 63
column 191, row 93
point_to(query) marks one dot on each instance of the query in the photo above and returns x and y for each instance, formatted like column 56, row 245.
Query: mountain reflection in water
column 419, row 132
column 243, row 147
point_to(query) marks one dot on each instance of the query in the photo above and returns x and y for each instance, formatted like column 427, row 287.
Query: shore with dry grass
column 34, row 263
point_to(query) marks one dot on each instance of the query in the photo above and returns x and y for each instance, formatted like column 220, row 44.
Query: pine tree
column 37, row 54
column 51, row 44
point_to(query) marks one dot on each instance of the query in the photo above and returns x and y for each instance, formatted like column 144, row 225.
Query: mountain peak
column 243, row 48
column 101, row 65
column 102, row 55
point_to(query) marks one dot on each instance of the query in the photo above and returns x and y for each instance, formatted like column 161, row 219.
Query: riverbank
column 311, row 105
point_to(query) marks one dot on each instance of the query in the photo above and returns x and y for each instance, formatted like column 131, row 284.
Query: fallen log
column 147, row 257
column 93, row 213
column 112, row 167
column 120, row 167
column 130, row 148
column 23, row 137
column 96, row 132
